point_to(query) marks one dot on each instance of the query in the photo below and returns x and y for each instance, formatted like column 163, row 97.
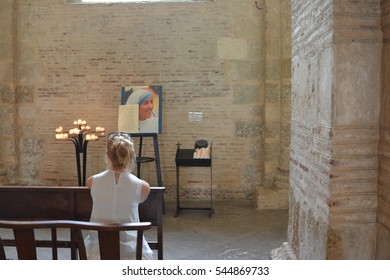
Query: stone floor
column 236, row 231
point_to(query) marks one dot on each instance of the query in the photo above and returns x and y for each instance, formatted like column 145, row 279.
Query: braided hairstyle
column 120, row 152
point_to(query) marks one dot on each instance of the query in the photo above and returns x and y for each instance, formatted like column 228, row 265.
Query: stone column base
column 282, row 253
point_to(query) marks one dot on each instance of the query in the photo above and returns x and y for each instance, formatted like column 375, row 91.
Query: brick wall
column 209, row 57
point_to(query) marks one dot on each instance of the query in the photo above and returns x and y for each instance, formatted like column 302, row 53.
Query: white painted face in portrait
column 146, row 109
column 148, row 120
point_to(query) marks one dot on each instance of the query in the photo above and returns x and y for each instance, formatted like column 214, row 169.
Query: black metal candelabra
column 80, row 136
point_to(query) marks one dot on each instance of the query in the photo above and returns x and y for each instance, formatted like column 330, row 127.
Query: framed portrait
column 140, row 110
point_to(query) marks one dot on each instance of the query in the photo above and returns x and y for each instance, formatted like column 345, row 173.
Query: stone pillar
column 336, row 48
column 8, row 111
column 383, row 235
column 357, row 45
column 273, row 193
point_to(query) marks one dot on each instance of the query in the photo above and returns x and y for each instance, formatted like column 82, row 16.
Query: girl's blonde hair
column 120, row 152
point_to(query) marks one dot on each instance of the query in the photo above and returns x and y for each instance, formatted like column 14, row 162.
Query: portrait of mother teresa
column 148, row 119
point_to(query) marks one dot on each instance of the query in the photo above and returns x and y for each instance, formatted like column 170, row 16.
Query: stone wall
column 209, row 57
column 383, row 237
column 335, row 106
column 312, row 61
column 8, row 99
column 353, row 188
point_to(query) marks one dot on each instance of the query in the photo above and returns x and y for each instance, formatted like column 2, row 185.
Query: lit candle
column 100, row 129
column 91, row 137
column 74, row 131
column 61, row 136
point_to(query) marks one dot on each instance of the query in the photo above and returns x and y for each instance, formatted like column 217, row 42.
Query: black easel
column 141, row 159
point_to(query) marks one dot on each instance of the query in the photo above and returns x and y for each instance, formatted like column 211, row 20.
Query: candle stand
column 80, row 135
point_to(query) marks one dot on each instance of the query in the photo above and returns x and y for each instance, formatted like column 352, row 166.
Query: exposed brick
column 72, row 60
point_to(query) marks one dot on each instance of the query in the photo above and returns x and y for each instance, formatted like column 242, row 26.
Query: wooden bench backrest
column 108, row 235
column 71, row 203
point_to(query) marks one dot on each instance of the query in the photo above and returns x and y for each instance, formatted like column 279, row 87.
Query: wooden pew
column 109, row 237
column 70, row 203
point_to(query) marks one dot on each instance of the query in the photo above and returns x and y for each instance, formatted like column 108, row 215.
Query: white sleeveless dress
column 116, row 203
